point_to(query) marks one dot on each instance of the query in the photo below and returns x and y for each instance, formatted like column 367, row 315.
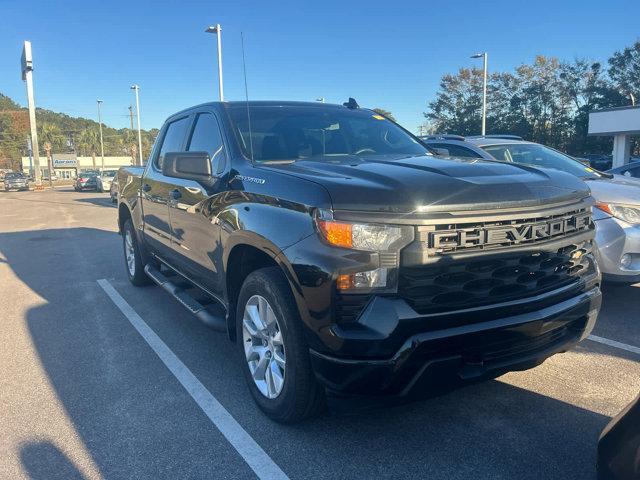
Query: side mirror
column 188, row 165
column 443, row 152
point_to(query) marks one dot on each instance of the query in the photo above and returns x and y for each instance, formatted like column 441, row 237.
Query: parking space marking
column 613, row 343
column 262, row 465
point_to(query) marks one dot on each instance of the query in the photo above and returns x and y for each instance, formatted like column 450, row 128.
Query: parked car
column 617, row 212
column 619, row 446
column 113, row 190
column 340, row 255
column 15, row 180
column 599, row 161
column 104, row 180
column 631, row 169
column 86, row 181
column 54, row 177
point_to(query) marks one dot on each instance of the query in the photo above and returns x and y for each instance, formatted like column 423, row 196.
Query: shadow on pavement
column 99, row 201
column 136, row 422
column 45, row 461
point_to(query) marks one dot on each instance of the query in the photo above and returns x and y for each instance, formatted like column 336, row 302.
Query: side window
column 206, row 137
column 462, row 152
column 173, row 138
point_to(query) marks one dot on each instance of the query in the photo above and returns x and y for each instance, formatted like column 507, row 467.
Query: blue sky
column 385, row 54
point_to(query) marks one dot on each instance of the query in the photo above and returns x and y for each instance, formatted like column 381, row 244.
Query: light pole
column 320, row 99
column 136, row 88
column 217, row 29
column 27, row 76
column 484, row 91
column 101, row 142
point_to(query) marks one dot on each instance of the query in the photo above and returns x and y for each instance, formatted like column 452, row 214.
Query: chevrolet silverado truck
column 343, row 258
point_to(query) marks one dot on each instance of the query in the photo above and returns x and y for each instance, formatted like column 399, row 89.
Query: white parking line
column 262, row 465
column 613, row 343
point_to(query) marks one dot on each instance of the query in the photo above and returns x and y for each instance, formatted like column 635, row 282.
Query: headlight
column 628, row 213
column 372, row 238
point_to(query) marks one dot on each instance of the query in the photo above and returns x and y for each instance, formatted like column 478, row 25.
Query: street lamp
column 101, row 142
column 217, row 29
column 136, row 88
column 320, row 99
column 484, row 91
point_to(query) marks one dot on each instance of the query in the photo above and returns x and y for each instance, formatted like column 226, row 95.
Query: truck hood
column 426, row 183
column 619, row 189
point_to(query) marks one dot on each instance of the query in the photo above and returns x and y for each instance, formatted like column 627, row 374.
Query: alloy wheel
column 263, row 346
column 129, row 253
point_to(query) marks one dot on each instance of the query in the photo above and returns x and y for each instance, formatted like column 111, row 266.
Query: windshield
column 13, row 175
column 537, row 155
column 109, row 173
column 299, row 132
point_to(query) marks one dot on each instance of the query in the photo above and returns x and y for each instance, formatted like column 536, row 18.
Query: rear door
column 196, row 236
column 156, row 188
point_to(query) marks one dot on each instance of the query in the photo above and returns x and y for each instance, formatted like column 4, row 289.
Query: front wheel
column 133, row 257
column 273, row 350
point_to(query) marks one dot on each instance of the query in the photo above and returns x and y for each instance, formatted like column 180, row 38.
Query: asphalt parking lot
column 87, row 391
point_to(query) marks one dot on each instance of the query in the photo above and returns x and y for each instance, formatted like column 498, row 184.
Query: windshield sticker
column 378, row 117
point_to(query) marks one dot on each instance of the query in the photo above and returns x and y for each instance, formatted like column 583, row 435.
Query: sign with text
column 65, row 163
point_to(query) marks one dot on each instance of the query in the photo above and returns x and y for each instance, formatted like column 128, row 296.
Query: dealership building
column 620, row 123
column 68, row 165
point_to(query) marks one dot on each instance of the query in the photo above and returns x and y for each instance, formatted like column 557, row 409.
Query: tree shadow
column 44, row 461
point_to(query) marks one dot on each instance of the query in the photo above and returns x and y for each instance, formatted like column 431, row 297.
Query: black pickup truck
column 343, row 257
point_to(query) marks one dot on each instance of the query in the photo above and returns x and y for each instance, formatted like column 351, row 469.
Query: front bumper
column 615, row 238
column 17, row 185
column 442, row 358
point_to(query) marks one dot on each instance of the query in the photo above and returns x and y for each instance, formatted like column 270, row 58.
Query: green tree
column 458, row 103
column 51, row 132
column 624, row 72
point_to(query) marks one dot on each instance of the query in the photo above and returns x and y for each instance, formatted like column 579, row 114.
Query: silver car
column 104, row 180
column 617, row 212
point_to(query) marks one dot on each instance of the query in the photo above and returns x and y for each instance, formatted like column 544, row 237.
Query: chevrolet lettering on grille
column 509, row 234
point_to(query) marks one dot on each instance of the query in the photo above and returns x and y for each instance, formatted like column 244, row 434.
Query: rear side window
column 206, row 137
column 456, row 150
column 173, row 138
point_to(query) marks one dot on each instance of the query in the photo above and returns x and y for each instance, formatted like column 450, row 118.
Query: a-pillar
column 621, row 149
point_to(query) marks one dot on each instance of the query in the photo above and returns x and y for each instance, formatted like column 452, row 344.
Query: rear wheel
column 273, row 350
column 132, row 256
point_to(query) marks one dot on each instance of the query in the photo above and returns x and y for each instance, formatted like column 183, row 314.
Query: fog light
column 372, row 279
column 625, row 260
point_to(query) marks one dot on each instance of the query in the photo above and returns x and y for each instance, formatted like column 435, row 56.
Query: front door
column 196, row 236
column 156, row 189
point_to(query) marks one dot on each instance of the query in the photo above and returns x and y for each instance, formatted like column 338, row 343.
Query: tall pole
column 27, row 70
column 484, row 97
column 217, row 29
column 136, row 88
column 101, row 142
column 484, row 90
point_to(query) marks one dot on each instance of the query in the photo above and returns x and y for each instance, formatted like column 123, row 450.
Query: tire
column 300, row 396
column 134, row 265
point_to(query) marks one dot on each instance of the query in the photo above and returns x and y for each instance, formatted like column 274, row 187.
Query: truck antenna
column 246, row 94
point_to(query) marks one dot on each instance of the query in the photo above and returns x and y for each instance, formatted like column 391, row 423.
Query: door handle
column 146, row 187
column 175, row 194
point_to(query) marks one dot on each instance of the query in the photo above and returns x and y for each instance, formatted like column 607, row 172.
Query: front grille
column 446, row 286
column 499, row 234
